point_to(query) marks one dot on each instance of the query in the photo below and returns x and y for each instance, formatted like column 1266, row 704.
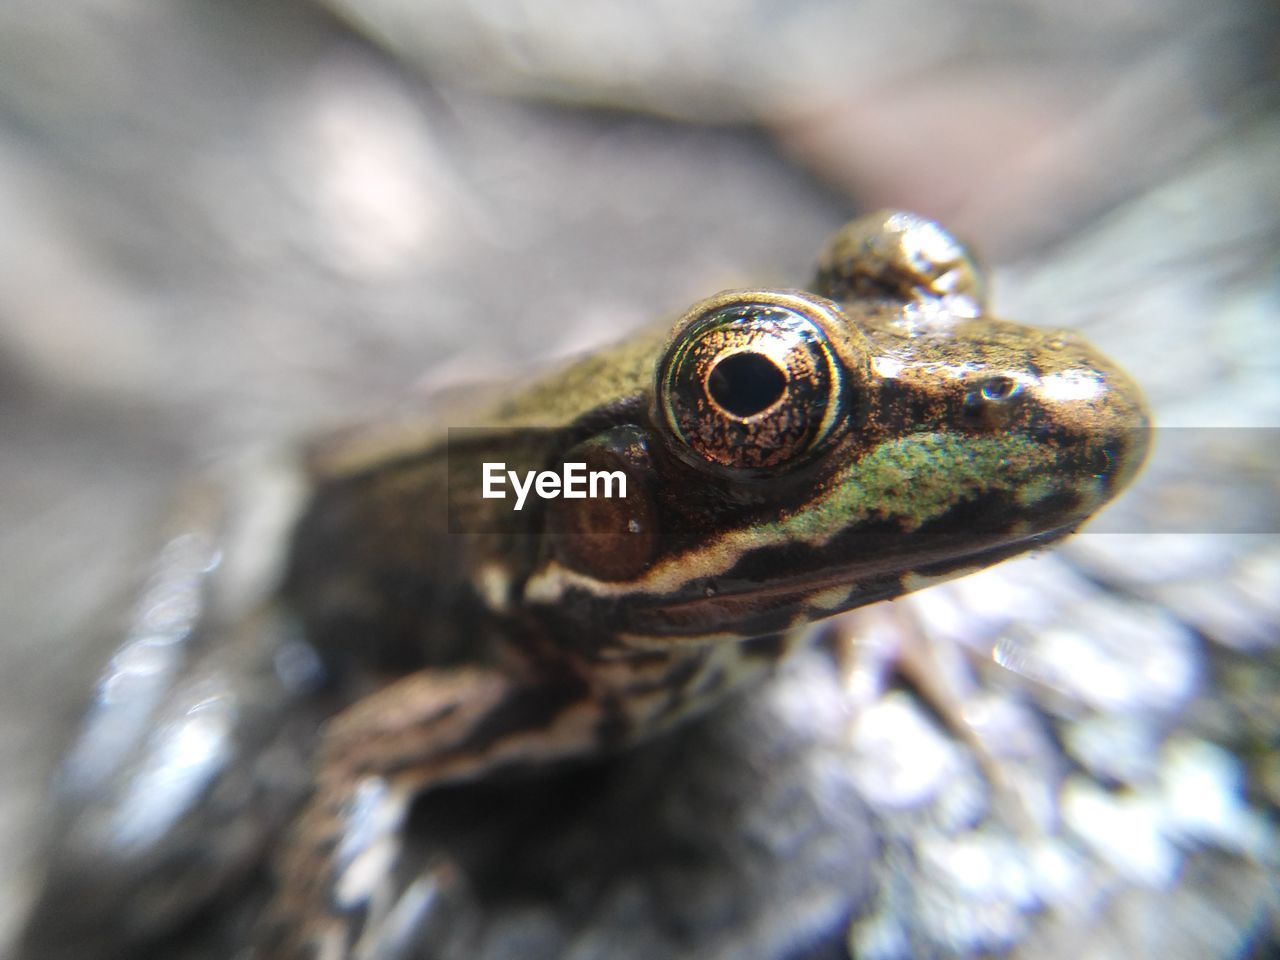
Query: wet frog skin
column 789, row 454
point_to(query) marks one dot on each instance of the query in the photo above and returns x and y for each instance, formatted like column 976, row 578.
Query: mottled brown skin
column 912, row 437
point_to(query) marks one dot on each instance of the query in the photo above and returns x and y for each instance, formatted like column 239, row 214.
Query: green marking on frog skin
column 1035, row 490
column 917, row 479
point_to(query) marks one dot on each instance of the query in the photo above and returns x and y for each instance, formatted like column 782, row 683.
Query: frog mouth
column 762, row 605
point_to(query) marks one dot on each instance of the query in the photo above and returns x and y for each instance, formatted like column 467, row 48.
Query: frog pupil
column 744, row 384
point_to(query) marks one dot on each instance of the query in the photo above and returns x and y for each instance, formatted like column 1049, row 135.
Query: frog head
column 795, row 453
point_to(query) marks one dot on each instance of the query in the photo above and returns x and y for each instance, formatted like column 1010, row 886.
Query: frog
column 391, row 626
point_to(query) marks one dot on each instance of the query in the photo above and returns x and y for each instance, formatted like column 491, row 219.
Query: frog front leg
column 428, row 729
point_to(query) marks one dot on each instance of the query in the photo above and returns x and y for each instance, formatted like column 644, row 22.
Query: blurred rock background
column 227, row 224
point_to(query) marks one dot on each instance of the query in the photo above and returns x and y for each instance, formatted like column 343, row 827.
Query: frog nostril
column 999, row 389
column 745, row 384
column 992, row 403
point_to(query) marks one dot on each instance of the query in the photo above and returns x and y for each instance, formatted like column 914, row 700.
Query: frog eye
column 902, row 257
column 751, row 385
